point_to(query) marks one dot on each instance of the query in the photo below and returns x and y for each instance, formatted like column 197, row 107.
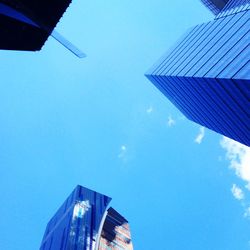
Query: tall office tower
column 27, row 24
column 84, row 223
column 207, row 73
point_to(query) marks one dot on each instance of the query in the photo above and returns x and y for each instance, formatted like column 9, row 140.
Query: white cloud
column 239, row 157
column 123, row 151
column 247, row 214
column 237, row 192
column 170, row 121
column 200, row 136
column 149, row 110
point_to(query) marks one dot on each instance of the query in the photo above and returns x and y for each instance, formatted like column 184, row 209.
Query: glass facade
column 231, row 4
column 115, row 234
column 215, row 6
column 84, row 223
column 234, row 6
column 207, row 74
column 75, row 225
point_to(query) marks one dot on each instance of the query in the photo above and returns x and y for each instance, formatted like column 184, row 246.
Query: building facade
column 115, row 232
column 207, row 73
column 215, row 6
column 84, row 223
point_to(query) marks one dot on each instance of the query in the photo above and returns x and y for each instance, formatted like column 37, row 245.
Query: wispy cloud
column 199, row 138
column 247, row 214
column 123, row 151
column 237, row 192
column 149, row 110
column 239, row 157
column 171, row 122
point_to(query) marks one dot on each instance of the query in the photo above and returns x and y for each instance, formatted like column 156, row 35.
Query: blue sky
column 100, row 123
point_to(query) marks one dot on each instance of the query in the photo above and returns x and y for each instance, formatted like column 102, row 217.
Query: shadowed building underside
column 26, row 24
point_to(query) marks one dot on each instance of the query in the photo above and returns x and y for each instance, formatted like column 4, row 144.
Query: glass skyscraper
column 207, row 73
column 84, row 223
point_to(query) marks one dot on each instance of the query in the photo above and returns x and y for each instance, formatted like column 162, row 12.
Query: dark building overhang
column 17, row 34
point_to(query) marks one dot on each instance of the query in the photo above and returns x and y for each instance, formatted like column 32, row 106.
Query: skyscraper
column 26, row 25
column 207, row 73
column 84, row 223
